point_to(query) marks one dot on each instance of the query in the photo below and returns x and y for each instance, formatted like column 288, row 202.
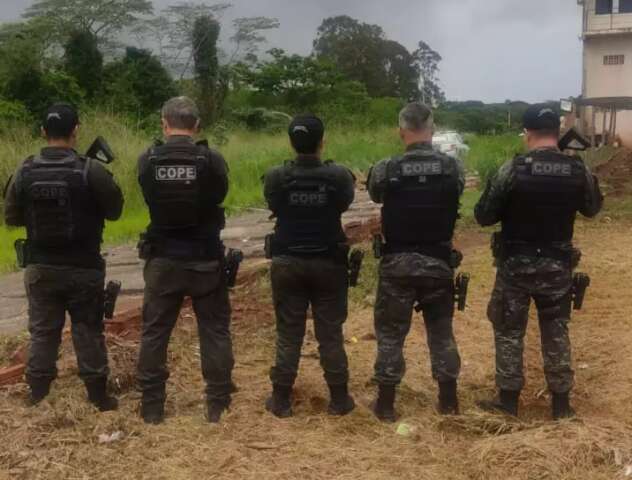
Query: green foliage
column 489, row 152
column 480, row 118
column 138, row 84
column 12, row 113
column 101, row 18
column 84, row 61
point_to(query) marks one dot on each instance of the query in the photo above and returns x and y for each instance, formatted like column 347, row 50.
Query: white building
column 607, row 76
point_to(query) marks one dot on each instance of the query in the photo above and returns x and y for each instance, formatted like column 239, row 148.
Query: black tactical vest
column 63, row 220
column 175, row 184
column 308, row 218
column 421, row 201
column 547, row 192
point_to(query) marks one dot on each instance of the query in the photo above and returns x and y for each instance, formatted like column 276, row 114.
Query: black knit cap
column 306, row 132
column 60, row 120
column 541, row 117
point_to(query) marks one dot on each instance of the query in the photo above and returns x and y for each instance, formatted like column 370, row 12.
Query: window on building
column 614, row 60
column 603, row 7
column 625, row 6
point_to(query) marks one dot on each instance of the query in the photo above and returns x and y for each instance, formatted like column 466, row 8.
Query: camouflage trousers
column 52, row 291
column 168, row 282
column 298, row 283
column 549, row 283
column 396, row 298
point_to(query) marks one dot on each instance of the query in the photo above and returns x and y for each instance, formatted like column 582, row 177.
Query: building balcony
column 597, row 24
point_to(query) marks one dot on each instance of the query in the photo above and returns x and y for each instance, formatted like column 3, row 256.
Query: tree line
column 125, row 56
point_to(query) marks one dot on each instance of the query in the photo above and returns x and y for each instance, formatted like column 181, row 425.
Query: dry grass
column 61, row 439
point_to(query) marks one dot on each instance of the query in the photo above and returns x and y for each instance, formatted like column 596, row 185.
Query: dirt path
column 246, row 232
column 60, row 440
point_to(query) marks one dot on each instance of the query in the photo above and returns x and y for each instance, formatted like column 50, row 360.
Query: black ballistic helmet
column 306, row 132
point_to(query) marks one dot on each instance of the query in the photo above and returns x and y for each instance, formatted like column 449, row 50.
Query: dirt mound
column 615, row 175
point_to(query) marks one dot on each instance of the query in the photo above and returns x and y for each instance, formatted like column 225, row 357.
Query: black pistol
column 581, row 282
column 461, row 286
column 231, row 266
column 112, row 292
column 101, row 151
column 22, row 253
column 355, row 266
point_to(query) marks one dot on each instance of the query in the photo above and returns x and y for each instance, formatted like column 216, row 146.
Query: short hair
column 416, row 117
column 546, row 133
column 181, row 112
column 306, row 133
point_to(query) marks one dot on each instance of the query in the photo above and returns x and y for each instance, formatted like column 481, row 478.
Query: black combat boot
column 448, row 399
column 215, row 410
column 279, row 403
column 384, row 405
column 341, row 402
column 561, row 406
column 98, row 396
column 39, row 390
column 507, row 403
column 153, row 413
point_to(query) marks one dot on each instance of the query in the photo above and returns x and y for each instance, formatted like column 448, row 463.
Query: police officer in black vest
column 63, row 199
column 184, row 185
column 420, row 191
column 309, row 264
column 536, row 198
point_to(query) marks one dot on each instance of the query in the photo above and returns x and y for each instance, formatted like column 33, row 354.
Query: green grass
column 488, row 153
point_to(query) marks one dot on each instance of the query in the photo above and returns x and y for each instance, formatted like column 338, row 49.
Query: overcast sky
column 493, row 50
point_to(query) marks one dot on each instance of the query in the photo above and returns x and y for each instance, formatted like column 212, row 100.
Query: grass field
column 249, row 156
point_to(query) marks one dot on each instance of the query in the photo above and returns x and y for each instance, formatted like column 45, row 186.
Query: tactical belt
column 68, row 259
column 180, row 250
column 538, row 251
column 435, row 251
column 335, row 251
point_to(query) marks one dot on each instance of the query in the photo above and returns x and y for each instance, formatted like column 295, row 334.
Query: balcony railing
column 603, row 24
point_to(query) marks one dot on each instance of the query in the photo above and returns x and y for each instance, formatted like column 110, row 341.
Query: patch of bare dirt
column 615, row 175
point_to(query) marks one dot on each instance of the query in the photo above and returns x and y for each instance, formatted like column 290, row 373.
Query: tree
column 428, row 61
column 138, row 83
column 356, row 48
column 402, row 72
column 248, row 37
column 102, row 18
column 205, row 35
column 84, row 61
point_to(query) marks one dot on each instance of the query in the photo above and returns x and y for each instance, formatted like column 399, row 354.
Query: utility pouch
column 461, row 287
column 355, row 266
column 581, row 282
column 232, row 261
column 112, row 292
column 576, row 258
column 144, row 248
column 378, row 247
column 268, row 248
column 498, row 246
column 456, row 258
column 22, row 252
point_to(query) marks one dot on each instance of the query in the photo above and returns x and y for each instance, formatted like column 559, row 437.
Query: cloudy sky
column 493, row 50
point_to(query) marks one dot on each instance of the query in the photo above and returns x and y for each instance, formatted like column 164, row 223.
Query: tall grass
column 489, row 152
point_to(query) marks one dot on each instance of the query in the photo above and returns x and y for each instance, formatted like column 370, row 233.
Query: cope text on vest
column 552, row 169
column 176, row 173
column 49, row 191
column 308, row 199
column 419, row 169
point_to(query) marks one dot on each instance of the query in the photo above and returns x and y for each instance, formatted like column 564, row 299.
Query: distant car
column 450, row 143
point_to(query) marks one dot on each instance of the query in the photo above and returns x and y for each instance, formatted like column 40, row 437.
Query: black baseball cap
column 306, row 133
column 60, row 120
column 541, row 117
